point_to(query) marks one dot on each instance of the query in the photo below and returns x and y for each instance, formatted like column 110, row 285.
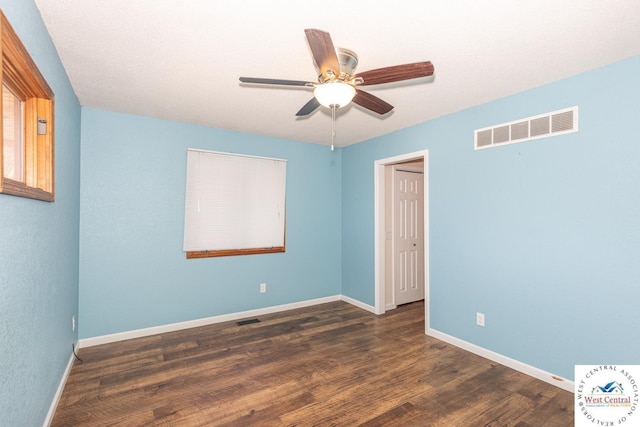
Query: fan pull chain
column 333, row 124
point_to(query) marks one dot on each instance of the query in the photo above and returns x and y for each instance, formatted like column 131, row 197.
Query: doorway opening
column 384, row 169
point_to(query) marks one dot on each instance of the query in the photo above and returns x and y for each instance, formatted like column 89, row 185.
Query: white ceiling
column 180, row 60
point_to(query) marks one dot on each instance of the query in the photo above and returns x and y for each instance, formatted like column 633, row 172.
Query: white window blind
column 233, row 202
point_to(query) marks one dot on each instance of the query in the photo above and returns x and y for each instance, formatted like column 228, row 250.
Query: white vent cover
column 542, row 126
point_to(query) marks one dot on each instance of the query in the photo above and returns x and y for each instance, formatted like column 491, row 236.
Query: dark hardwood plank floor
column 327, row 365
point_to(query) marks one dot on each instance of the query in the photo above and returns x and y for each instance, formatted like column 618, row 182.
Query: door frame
column 379, row 228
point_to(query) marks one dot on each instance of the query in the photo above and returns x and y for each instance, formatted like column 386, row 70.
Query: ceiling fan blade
column 396, row 73
column 275, row 81
column 309, row 107
column 324, row 53
column 372, row 102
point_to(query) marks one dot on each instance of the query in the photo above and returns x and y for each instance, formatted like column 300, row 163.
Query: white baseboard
column 56, row 397
column 121, row 336
column 504, row 360
column 358, row 304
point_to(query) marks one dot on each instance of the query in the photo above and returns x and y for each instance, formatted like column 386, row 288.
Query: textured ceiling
column 180, row 60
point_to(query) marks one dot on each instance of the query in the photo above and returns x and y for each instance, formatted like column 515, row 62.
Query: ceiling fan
column 337, row 84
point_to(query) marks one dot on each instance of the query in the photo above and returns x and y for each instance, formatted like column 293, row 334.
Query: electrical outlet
column 263, row 288
column 73, row 323
column 480, row 319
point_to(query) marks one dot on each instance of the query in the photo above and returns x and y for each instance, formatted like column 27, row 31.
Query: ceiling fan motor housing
column 348, row 61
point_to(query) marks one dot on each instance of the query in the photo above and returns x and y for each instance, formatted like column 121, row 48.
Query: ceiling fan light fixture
column 337, row 83
column 336, row 93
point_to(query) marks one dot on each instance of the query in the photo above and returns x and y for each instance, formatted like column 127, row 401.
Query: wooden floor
column 328, row 365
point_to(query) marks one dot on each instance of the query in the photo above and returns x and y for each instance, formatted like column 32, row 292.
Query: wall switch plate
column 73, row 323
column 480, row 319
column 263, row 288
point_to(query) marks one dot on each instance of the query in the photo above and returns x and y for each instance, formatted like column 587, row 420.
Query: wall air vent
column 542, row 126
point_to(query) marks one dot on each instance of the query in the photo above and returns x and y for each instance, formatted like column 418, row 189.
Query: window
column 234, row 205
column 26, row 146
column 12, row 122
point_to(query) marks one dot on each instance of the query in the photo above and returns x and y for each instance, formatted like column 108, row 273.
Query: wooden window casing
column 234, row 252
column 19, row 73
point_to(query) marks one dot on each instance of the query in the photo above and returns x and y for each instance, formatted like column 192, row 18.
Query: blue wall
column 39, row 252
column 543, row 237
column 133, row 272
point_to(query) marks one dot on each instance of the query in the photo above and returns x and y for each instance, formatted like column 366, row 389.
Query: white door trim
column 379, row 231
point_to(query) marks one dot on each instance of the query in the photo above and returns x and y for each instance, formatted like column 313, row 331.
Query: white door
column 408, row 260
